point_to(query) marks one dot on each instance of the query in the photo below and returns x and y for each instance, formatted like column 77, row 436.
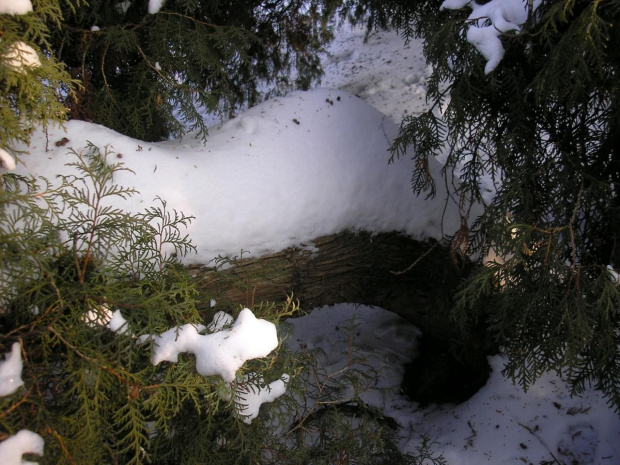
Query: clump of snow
column 15, row 7
column 6, row 160
column 102, row 316
column 117, row 323
column 220, row 353
column 487, row 22
column 24, row 442
column 11, row 371
column 20, row 55
column 253, row 396
column 155, row 6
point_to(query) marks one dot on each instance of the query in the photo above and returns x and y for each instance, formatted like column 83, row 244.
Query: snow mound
column 285, row 172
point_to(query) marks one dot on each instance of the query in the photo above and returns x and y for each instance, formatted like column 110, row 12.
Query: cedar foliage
column 152, row 76
column 69, row 257
column 545, row 127
column 31, row 95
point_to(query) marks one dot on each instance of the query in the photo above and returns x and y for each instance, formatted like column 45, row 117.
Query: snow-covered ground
column 314, row 163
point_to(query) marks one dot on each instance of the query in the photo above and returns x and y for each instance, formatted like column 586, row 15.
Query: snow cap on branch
column 11, row 371
column 7, row 161
column 24, row 442
column 503, row 15
column 15, row 7
column 155, row 6
column 220, row 353
column 20, row 56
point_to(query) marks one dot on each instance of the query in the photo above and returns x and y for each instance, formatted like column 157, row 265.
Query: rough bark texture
column 366, row 269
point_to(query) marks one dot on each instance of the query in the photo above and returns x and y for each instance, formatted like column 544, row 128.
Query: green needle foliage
column 544, row 126
column 69, row 257
column 33, row 83
column 151, row 76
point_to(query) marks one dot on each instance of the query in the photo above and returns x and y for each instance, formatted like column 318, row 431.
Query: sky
column 314, row 163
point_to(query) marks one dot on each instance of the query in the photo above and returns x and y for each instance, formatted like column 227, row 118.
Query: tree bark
column 414, row 279
column 352, row 267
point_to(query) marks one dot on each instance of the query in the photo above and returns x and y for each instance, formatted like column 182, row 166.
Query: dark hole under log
column 364, row 268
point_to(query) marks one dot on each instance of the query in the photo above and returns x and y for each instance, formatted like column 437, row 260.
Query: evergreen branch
column 181, row 87
column 191, row 19
column 61, row 442
column 123, row 378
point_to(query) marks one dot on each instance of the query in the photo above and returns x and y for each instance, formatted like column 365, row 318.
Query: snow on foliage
column 102, row 316
column 20, row 56
column 6, row 160
column 487, row 22
column 256, row 395
column 222, row 352
column 15, row 7
column 155, row 6
column 24, row 442
column 11, row 371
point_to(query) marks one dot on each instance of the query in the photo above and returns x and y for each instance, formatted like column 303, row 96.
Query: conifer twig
column 417, row 261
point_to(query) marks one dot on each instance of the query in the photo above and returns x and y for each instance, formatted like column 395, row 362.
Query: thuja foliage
column 69, row 257
column 151, row 76
column 32, row 82
column 544, row 126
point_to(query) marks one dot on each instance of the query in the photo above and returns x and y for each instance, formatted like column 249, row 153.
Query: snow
column 252, row 396
column 264, row 182
column 11, row 371
column 20, row 56
column 500, row 424
column 315, row 163
column 6, row 160
column 24, row 442
column 155, row 6
column 102, row 316
column 15, row 7
column 488, row 21
column 222, row 352
column 117, row 323
column 384, row 72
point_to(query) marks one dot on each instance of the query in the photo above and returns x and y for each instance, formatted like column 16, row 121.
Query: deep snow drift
column 282, row 173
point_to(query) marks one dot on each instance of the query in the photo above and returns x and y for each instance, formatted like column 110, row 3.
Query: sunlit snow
column 222, row 352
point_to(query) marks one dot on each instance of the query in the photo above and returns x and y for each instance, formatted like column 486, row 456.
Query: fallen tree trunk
column 370, row 269
column 352, row 267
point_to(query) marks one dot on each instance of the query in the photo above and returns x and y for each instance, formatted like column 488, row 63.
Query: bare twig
column 417, row 261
